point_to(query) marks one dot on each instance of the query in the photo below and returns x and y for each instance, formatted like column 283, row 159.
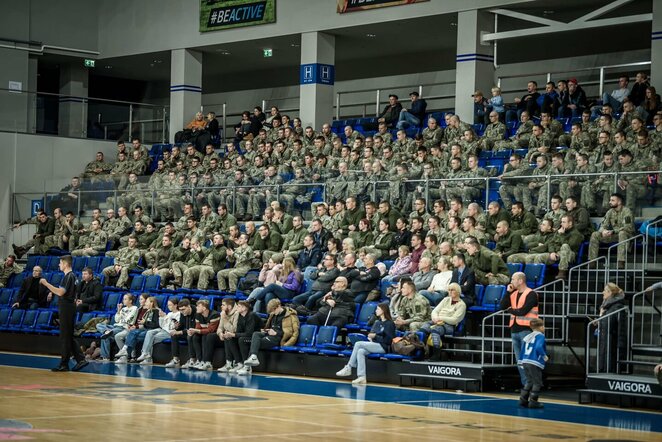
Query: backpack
column 248, row 283
column 407, row 345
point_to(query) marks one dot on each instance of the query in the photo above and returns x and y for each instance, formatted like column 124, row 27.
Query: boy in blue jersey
column 533, row 358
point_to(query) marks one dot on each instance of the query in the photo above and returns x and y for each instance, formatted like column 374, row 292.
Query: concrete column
column 73, row 100
column 656, row 46
column 13, row 80
column 185, row 88
column 316, row 79
column 474, row 68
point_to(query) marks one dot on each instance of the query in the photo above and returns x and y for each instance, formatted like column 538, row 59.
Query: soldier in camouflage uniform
column 494, row 132
column 515, row 168
column 617, row 226
column 155, row 247
column 167, row 198
column 487, row 265
column 126, row 259
column 601, row 186
column 413, row 310
column 560, row 167
column 295, row 190
column 265, row 193
column 97, row 170
column 116, row 228
column 241, row 260
column 237, row 193
column 94, row 244
column 213, row 260
column 120, row 171
column 553, row 128
column 161, row 265
column 70, row 235
column 527, row 190
column 181, row 259
column 224, row 220
column 470, row 143
column 9, row 267
column 55, row 239
column 560, row 247
column 135, row 194
column 432, row 134
column 577, row 183
column 632, row 185
column 521, row 137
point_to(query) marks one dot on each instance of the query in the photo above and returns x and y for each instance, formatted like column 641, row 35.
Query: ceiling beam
column 601, row 11
column 526, row 17
column 572, row 26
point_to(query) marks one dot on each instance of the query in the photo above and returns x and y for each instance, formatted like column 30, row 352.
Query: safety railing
column 231, row 117
column 606, row 338
column 628, row 273
column 646, row 321
column 601, row 71
column 437, row 95
column 551, row 304
column 84, row 117
column 586, row 283
column 496, row 344
column 652, row 244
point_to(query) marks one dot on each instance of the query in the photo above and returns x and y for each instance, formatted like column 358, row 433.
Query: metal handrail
column 596, row 322
column 82, row 98
column 635, row 298
column 648, row 238
column 483, row 340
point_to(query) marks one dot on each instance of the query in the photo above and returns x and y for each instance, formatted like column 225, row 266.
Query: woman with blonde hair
column 444, row 318
column 286, row 287
column 612, row 330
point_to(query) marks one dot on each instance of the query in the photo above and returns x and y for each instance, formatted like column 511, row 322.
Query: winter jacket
column 534, row 350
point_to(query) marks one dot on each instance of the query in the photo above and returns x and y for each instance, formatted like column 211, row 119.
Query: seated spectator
column 496, row 105
column 269, row 274
column 615, row 98
column 391, row 112
column 311, row 255
column 413, row 116
column 465, row 277
column 423, row 278
column 576, row 101
column 527, row 103
column 149, row 321
column 507, row 242
column 336, row 307
column 226, row 327
column 438, row 288
column 186, row 321
column 32, row 295
column 121, row 337
column 124, row 318
column 445, row 317
column 286, row 287
column 241, row 258
column 167, row 326
column 364, row 279
column 323, row 278
column 281, row 328
column 193, row 131
column 486, row 264
column 379, row 340
column 248, row 323
column 651, row 105
column 481, row 108
column 400, row 266
column 413, row 309
column 9, row 268
column 89, row 293
column 247, row 129
column 206, row 323
column 616, row 226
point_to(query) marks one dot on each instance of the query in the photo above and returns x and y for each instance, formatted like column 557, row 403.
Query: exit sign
column 267, row 52
column 88, row 63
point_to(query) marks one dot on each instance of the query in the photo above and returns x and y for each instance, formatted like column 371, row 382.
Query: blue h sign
column 316, row 73
column 36, row 206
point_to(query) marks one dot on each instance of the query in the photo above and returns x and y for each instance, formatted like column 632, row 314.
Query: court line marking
column 450, row 400
column 543, row 421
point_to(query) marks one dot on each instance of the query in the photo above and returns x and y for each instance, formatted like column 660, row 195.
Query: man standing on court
column 66, row 293
column 522, row 304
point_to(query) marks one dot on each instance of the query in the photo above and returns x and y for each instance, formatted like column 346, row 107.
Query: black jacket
column 31, row 289
column 323, row 283
column 345, row 305
column 91, row 293
column 365, row 280
column 248, row 324
column 309, row 258
column 467, row 284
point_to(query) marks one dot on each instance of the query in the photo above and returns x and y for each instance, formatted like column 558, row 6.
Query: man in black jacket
column 336, row 307
column 311, row 255
column 248, row 322
column 466, row 277
column 365, row 279
column 32, row 295
column 391, row 112
column 90, row 292
column 323, row 279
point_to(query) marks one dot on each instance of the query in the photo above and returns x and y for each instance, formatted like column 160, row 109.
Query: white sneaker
column 346, row 371
column 206, row 366
column 226, row 368
column 146, row 361
column 236, row 368
column 252, row 361
column 122, row 352
column 174, row 363
column 122, row 360
column 245, row 370
column 142, row 357
column 190, row 363
column 198, row 365
column 361, row 380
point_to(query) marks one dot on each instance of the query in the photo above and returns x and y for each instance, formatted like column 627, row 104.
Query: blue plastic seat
column 306, row 338
column 491, row 299
column 137, row 284
column 112, row 299
column 367, row 310
column 535, row 274
column 5, row 297
column 4, row 316
column 32, row 261
column 514, row 267
column 15, row 319
column 152, row 283
column 17, row 280
column 78, row 263
column 94, row 262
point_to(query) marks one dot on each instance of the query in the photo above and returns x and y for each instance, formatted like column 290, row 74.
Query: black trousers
column 531, row 390
column 174, row 345
column 68, row 346
column 320, row 318
column 258, row 341
column 236, row 349
column 204, row 345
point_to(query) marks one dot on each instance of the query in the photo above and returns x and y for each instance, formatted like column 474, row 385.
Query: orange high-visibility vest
column 522, row 320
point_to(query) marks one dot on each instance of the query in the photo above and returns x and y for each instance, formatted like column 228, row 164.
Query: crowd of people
column 384, row 217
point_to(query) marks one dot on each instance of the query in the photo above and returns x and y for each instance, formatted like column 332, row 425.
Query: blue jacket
column 534, row 350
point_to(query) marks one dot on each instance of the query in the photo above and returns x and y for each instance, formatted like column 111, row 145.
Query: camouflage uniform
column 125, row 257
column 486, row 261
column 94, row 244
column 508, row 186
column 494, row 132
column 415, row 311
column 213, row 261
column 621, row 223
column 241, row 258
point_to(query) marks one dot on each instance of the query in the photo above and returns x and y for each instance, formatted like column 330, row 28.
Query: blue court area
column 556, row 412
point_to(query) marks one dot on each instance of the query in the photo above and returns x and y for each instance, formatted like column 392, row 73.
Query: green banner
column 224, row 14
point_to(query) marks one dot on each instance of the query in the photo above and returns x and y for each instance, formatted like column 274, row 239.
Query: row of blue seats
column 50, row 263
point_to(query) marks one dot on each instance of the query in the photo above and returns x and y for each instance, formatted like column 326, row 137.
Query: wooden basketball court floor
column 152, row 403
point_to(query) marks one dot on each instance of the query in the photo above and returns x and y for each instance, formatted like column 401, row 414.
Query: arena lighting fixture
column 371, row 35
column 223, row 51
column 547, row 12
column 157, row 61
column 108, row 66
column 295, row 45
